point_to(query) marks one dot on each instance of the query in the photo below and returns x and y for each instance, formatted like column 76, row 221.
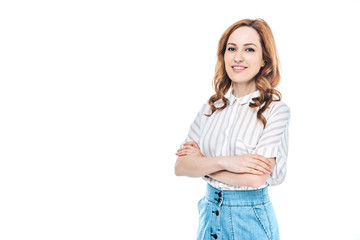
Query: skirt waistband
column 237, row 197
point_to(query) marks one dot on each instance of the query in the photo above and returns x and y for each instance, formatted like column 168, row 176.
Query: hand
column 189, row 148
column 248, row 163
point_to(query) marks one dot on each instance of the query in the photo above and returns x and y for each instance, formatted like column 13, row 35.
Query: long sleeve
column 274, row 141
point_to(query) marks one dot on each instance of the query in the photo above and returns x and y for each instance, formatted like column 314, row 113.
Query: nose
column 238, row 57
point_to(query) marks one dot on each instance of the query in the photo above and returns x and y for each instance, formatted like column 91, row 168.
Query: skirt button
column 214, row 236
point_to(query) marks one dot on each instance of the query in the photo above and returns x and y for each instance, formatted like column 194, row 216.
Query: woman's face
column 243, row 55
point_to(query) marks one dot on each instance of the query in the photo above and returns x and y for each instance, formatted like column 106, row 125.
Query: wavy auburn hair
column 267, row 78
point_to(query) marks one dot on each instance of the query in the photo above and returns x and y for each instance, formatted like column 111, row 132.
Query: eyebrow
column 246, row 44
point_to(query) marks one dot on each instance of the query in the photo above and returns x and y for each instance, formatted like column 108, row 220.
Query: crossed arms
column 245, row 170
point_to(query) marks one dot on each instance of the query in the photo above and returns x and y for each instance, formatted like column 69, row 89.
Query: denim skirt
column 235, row 215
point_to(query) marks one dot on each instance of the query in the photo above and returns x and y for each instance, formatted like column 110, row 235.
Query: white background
column 96, row 97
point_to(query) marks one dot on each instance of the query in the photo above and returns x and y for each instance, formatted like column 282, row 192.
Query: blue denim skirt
column 235, row 215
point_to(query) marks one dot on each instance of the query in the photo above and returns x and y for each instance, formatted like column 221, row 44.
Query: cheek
column 226, row 58
column 254, row 60
column 227, row 61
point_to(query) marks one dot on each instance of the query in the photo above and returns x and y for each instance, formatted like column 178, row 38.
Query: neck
column 241, row 90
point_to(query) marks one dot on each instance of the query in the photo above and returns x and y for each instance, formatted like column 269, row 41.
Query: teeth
column 238, row 68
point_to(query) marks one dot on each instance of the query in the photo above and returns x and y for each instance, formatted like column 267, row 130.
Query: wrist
column 223, row 162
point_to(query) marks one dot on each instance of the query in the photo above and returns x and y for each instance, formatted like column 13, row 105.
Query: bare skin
column 244, row 170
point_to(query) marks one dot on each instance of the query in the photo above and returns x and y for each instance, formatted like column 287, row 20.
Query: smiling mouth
column 238, row 68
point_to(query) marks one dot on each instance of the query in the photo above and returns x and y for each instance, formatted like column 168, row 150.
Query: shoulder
column 205, row 109
column 277, row 105
column 279, row 109
column 218, row 103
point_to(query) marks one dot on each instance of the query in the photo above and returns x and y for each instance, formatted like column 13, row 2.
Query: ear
column 264, row 62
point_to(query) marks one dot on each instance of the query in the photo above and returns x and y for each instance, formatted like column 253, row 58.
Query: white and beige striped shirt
column 237, row 131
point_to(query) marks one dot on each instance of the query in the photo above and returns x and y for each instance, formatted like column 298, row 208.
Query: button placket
column 219, row 199
column 215, row 230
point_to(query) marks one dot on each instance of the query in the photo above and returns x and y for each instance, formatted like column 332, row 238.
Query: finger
column 189, row 147
column 189, row 143
column 180, row 149
column 193, row 143
column 193, row 151
column 263, row 165
column 259, row 166
column 179, row 154
column 262, row 158
column 254, row 171
column 188, row 153
column 189, row 150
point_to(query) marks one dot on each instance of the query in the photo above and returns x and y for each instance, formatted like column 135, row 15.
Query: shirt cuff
column 268, row 152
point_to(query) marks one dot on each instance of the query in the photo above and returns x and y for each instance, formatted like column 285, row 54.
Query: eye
column 231, row 49
column 250, row 50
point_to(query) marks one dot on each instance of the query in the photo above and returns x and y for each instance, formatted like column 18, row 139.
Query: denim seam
column 231, row 225
column 249, row 205
column 258, row 218
column 198, row 205
column 267, row 215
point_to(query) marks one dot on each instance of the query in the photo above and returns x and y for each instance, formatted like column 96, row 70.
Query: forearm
column 240, row 179
column 195, row 166
column 243, row 179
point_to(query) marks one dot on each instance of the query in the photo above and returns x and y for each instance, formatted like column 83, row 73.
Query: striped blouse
column 237, row 131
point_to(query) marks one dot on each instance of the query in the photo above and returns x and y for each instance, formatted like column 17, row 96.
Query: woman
column 238, row 141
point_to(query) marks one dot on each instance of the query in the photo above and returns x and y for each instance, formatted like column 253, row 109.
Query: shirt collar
column 242, row 100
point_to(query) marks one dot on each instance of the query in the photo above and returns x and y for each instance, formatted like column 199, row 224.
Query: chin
column 241, row 80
